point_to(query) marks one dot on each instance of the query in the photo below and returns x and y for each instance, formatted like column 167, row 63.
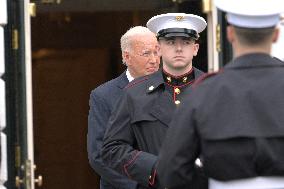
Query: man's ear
column 159, row 49
column 126, row 57
column 231, row 34
column 275, row 35
column 196, row 48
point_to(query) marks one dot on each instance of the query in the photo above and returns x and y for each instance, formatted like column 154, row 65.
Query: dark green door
column 18, row 96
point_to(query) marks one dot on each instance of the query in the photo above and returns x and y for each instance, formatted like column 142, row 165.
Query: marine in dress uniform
column 235, row 121
column 137, row 128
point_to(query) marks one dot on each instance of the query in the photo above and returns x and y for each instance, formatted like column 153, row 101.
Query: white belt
column 250, row 183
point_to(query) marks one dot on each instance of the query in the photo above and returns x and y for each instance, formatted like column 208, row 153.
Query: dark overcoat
column 102, row 102
column 137, row 128
column 236, row 123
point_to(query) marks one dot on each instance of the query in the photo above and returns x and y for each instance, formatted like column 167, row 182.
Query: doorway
column 73, row 52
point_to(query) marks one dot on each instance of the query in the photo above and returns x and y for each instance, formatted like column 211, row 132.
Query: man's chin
column 180, row 66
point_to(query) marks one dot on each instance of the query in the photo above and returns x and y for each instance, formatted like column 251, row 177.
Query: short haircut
column 126, row 39
column 254, row 36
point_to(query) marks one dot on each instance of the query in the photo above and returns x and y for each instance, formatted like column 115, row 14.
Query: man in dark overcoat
column 236, row 120
column 136, row 44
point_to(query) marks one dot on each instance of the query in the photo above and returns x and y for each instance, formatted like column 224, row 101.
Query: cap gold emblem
column 179, row 18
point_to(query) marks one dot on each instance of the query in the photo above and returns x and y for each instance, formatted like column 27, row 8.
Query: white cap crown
column 175, row 21
column 252, row 13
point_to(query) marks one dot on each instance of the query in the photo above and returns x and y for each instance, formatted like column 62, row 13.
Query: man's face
column 143, row 57
column 177, row 53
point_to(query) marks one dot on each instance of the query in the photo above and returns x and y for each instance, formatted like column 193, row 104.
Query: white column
column 3, row 12
column 213, row 54
column 3, row 139
column 28, row 78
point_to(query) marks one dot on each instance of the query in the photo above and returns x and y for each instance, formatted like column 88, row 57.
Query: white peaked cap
column 176, row 20
column 252, row 13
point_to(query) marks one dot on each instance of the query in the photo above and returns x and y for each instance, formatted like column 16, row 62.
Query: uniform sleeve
column 175, row 165
column 99, row 114
column 119, row 148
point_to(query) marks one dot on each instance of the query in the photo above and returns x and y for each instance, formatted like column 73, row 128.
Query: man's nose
column 178, row 46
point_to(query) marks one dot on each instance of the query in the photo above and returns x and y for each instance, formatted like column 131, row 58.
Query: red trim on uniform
column 153, row 178
column 204, row 76
column 131, row 84
column 179, row 86
column 174, row 94
column 130, row 162
column 180, row 76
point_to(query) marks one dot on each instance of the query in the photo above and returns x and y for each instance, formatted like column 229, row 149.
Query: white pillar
column 277, row 48
column 213, row 54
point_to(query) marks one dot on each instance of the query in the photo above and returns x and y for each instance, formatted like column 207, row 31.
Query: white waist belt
column 250, row 183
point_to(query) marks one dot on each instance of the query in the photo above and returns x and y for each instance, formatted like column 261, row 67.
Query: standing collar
column 178, row 80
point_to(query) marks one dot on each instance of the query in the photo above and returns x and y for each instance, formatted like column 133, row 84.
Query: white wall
column 278, row 47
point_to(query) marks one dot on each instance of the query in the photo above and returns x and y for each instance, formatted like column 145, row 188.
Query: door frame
column 219, row 49
column 19, row 96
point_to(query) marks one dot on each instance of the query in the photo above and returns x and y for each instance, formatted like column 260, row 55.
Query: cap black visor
column 177, row 32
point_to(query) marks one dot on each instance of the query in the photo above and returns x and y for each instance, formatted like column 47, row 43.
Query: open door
column 225, row 49
column 219, row 49
column 19, row 97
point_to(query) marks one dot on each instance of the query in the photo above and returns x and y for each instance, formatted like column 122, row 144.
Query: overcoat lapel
column 122, row 80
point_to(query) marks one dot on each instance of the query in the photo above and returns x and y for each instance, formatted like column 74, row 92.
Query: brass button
column 184, row 79
column 177, row 90
column 177, row 102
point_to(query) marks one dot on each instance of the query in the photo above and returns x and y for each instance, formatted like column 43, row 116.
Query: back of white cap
column 252, row 13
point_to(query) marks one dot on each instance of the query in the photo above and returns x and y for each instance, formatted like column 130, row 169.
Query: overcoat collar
column 156, row 81
column 123, row 81
column 254, row 60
